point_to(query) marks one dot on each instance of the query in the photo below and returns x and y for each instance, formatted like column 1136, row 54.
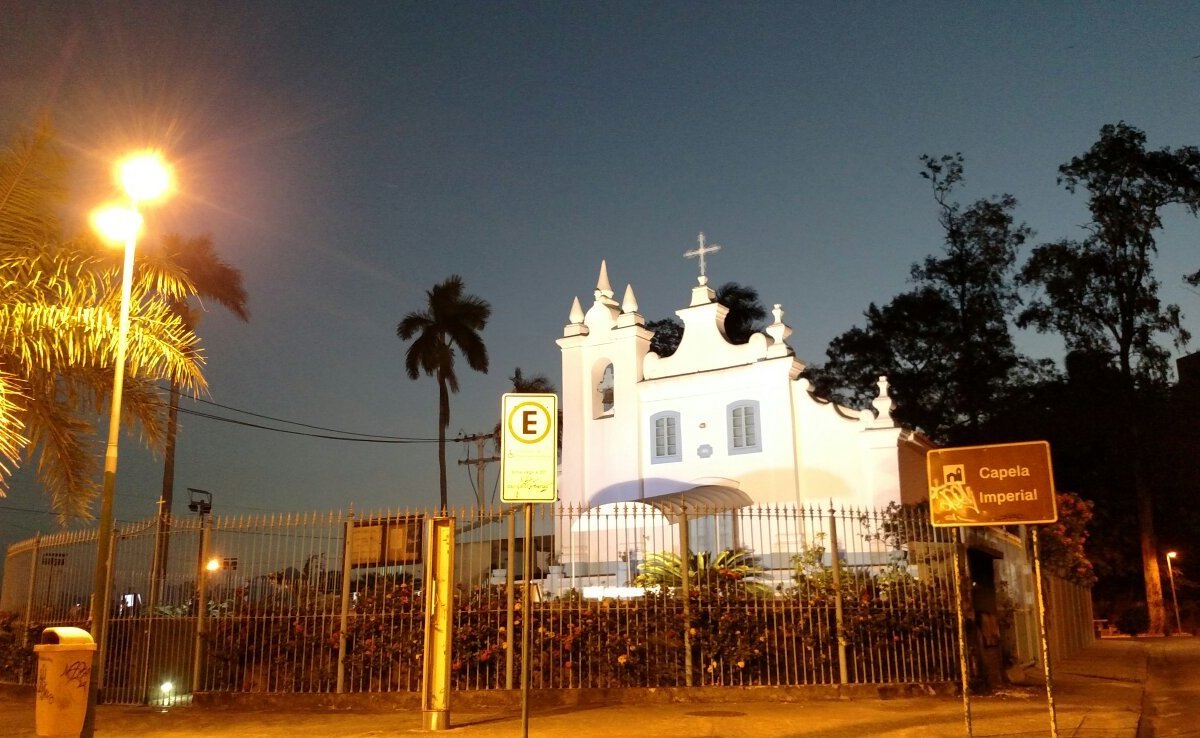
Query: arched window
column 744, row 431
column 664, row 432
column 605, row 397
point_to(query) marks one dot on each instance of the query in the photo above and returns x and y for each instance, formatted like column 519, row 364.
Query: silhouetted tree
column 451, row 320
column 944, row 345
column 744, row 319
column 1100, row 294
column 196, row 260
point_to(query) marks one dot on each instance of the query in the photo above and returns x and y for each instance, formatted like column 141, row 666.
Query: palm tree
column 451, row 320
column 58, row 333
column 746, row 313
column 213, row 279
column 731, row 570
column 538, row 383
column 745, row 318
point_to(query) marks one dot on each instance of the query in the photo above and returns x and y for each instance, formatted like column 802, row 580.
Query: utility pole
column 479, row 462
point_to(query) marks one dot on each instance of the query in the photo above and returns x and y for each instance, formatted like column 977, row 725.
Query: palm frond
column 11, row 438
column 32, row 173
column 66, row 446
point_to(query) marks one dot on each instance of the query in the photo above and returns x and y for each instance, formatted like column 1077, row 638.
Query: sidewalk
column 1097, row 693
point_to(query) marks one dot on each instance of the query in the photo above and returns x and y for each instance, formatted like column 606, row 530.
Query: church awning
column 700, row 499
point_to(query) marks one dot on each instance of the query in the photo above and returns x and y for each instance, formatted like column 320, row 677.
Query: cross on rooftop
column 700, row 251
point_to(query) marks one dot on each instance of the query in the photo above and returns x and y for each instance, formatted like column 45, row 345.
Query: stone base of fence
column 503, row 699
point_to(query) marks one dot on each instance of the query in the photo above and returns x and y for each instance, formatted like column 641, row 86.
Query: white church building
column 715, row 423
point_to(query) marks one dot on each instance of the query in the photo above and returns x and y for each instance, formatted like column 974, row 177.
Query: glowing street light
column 1174, row 598
column 144, row 177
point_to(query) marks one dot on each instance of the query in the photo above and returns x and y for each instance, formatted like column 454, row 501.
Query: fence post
column 839, row 616
column 201, row 602
column 510, row 596
column 685, row 556
column 158, row 571
column 344, row 622
column 100, row 668
column 158, row 574
column 33, row 567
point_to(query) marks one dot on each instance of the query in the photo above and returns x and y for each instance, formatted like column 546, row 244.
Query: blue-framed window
column 745, row 430
column 664, row 433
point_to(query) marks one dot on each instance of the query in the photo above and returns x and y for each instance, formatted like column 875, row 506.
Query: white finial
column 603, row 287
column 700, row 251
column 883, row 406
column 629, row 302
column 778, row 333
column 576, row 316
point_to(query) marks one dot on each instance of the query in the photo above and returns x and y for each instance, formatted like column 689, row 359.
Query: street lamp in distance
column 1174, row 598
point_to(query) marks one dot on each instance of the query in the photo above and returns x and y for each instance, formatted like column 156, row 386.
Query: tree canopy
column 1122, row 435
column 1100, row 294
column 746, row 317
column 944, row 345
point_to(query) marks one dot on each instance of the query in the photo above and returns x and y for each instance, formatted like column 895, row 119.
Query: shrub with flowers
column 1064, row 543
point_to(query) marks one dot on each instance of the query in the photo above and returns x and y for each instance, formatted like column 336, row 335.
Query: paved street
column 1098, row 694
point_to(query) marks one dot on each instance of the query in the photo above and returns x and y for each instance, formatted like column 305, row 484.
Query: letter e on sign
column 529, row 447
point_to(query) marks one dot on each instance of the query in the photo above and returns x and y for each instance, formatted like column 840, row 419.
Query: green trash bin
column 64, row 672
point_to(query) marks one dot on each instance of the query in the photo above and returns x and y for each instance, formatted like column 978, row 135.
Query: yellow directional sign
column 1004, row 484
column 529, row 447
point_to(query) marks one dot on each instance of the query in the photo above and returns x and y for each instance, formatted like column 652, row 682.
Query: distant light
column 167, row 687
column 213, row 565
column 144, row 175
column 116, row 224
column 1170, row 554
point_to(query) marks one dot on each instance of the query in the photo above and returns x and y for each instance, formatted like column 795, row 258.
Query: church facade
column 717, row 423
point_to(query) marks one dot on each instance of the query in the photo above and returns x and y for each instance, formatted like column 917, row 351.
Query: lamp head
column 1171, row 554
column 144, row 176
column 116, row 224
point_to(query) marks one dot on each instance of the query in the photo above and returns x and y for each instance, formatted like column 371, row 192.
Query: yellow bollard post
column 439, row 600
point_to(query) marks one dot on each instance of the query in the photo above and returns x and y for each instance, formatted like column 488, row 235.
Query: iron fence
column 627, row 595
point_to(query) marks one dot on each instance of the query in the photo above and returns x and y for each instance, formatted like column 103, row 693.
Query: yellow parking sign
column 529, row 447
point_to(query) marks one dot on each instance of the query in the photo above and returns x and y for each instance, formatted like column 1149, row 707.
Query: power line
column 341, row 435
column 43, row 512
column 305, row 425
column 363, row 439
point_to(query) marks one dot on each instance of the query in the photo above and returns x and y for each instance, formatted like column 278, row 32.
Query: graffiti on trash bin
column 77, row 672
column 43, row 691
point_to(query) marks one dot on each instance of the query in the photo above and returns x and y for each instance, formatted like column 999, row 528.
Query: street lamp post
column 1174, row 598
column 144, row 177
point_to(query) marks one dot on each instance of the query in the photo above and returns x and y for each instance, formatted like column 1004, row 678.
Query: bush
column 1134, row 620
column 17, row 661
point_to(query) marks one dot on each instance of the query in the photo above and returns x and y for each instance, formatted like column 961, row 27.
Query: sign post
column 528, row 475
column 1003, row 484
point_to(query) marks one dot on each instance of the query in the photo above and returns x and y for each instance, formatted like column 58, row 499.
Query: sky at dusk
column 348, row 156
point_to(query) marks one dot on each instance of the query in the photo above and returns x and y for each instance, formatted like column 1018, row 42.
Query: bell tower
column 602, row 352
